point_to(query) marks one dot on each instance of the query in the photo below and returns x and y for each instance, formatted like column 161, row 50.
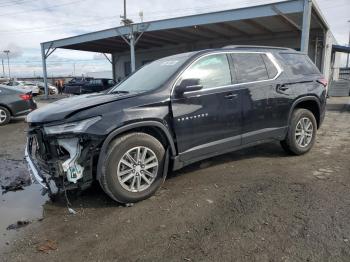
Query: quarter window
column 299, row 64
column 270, row 67
column 212, row 71
column 250, row 67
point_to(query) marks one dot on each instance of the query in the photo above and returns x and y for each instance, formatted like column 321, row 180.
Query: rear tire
column 301, row 134
column 133, row 168
column 5, row 116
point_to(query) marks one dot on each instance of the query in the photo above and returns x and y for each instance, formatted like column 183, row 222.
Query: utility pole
column 128, row 22
column 3, row 68
column 125, row 19
column 8, row 61
column 347, row 60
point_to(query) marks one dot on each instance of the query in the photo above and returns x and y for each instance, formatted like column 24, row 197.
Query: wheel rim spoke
column 137, row 169
column 149, row 166
column 125, row 162
column 143, row 156
column 149, row 159
column 146, row 179
column 127, row 178
column 130, row 158
column 125, row 172
column 148, row 173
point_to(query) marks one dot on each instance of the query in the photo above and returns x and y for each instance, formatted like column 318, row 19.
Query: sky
column 24, row 24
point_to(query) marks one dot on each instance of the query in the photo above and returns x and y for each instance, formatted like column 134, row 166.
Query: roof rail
column 256, row 46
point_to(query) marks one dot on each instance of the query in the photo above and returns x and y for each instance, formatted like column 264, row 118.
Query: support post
column 132, row 51
column 347, row 58
column 305, row 33
column 114, row 71
column 43, row 57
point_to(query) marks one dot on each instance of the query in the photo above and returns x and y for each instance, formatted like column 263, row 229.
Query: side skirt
column 219, row 148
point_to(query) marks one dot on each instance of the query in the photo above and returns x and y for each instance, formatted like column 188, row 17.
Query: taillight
column 25, row 97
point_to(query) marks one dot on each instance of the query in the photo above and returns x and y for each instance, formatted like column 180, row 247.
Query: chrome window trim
column 268, row 54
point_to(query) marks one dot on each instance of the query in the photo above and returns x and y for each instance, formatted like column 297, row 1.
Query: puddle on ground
column 26, row 204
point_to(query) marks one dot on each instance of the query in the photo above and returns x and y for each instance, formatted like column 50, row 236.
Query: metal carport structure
column 294, row 20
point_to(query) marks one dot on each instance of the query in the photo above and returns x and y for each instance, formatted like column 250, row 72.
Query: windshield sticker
column 169, row 63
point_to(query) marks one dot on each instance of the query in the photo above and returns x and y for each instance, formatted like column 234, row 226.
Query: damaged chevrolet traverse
column 173, row 112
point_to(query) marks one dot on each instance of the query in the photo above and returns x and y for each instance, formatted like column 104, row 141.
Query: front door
column 208, row 120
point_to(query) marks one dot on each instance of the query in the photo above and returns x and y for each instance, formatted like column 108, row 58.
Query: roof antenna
column 125, row 20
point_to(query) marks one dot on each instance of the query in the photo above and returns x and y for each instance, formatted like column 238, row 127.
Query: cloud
column 15, row 51
column 98, row 56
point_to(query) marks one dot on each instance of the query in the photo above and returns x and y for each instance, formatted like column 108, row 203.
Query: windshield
column 152, row 75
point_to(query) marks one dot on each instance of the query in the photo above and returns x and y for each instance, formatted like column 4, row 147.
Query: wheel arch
column 8, row 108
column 310, row 103
column 153, row 128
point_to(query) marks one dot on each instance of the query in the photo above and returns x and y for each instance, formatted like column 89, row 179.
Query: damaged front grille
column 67, row 160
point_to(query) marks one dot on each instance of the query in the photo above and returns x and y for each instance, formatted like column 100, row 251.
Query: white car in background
column 26, row 85
column 52, row 89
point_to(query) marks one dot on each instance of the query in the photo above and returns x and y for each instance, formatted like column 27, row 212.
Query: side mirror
column 188, row 85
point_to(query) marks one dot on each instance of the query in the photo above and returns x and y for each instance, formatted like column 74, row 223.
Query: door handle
column 282, row 87
column 230, row 96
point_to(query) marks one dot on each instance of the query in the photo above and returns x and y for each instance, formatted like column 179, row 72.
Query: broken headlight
column 73, row 127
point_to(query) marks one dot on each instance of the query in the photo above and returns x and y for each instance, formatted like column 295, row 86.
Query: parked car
column 87, row 87
column 26, row 85
column 176, row 111
column 52, row 89
column 14, row 102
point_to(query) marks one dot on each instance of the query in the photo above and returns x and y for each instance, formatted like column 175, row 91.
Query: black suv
column 173, row 112
column 87, row 86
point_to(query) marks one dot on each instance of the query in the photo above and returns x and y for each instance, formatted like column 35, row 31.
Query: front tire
column 301, row 134
column 5, row 116
column 133, row 168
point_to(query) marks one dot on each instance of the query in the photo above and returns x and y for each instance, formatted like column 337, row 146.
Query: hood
column 63, row 108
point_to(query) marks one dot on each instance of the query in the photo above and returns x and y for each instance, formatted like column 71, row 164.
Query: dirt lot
column 257, row 204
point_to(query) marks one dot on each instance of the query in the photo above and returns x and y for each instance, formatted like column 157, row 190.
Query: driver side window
column 212, row 71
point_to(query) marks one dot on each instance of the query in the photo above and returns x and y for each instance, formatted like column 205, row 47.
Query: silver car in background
column 26, row 85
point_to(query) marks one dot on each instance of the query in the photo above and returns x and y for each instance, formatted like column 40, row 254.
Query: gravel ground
column 257, row 204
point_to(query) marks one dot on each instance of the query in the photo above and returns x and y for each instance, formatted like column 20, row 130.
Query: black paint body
column 198, row 124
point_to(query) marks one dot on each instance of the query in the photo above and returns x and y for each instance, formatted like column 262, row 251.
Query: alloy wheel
column 304, row 132
column 3, row 116
column 137, row 169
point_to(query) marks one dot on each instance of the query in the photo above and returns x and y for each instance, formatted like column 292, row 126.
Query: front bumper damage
column 62, row 162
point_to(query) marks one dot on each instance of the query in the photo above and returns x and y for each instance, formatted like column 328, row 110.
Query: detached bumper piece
column 61, row 163
column 36, row 174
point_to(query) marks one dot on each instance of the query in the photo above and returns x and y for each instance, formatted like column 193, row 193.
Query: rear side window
column 250, row 67
column 299, row 64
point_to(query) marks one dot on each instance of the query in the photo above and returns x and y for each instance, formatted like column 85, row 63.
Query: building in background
column 297, row 24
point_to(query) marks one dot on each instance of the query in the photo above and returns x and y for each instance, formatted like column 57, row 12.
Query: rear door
column 258, row 76
column 208, row 120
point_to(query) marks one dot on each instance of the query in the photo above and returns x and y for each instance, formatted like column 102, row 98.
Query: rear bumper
column 23, row 113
